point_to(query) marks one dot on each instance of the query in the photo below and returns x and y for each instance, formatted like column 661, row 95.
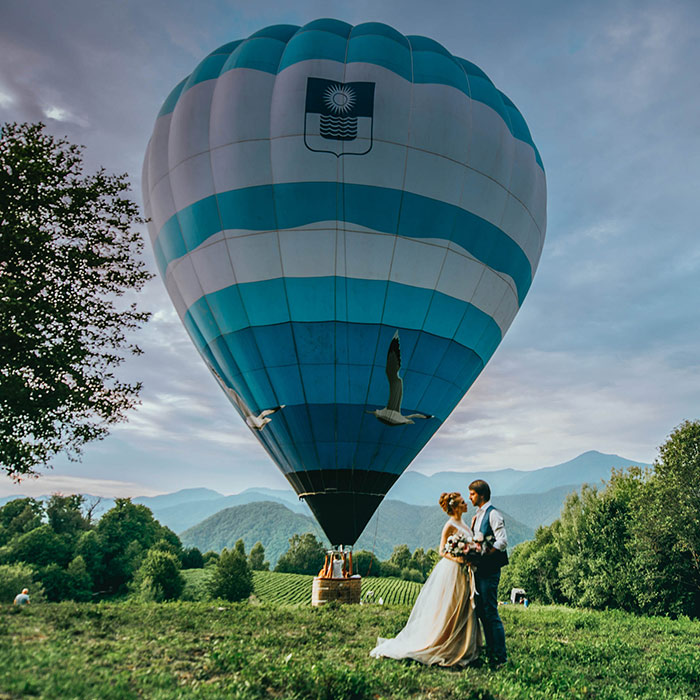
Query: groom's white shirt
column 497, row 525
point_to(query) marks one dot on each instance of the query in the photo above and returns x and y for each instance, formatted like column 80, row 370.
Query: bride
column 442, row 628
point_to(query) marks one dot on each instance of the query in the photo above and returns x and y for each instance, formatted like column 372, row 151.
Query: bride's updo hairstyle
column 448, row 501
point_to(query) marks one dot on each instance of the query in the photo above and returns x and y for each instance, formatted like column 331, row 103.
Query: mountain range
column 408, row 515
column 588, row 468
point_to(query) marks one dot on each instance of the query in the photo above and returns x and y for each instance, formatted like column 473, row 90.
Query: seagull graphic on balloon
column 391, row 413
column 253, row 421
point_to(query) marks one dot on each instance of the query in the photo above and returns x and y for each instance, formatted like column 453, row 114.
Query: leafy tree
column 125, row 532
column 594, row 538
column 581, row 570
column 240, row 547
column 166, row 544
column 401, row 556
column 424, row 561
column 55, row 581
column 232, row 578
column 304, row 556
column 171, row 538
column 68, row 250
column 534, row 567
column 192, row 558
column 90, row 548
column 65, row 515
column 365, row 563
column 666, row 536
column 256, row 558
column 19, row 516
column 42, row 546
column 432, row 557
column 159, row 576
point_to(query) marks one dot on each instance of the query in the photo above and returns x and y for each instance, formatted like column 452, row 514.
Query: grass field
column 254, row 650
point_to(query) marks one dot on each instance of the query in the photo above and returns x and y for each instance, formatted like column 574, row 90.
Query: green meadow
column 268, row 648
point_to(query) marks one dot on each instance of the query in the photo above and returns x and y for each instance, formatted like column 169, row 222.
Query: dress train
column 442, row 628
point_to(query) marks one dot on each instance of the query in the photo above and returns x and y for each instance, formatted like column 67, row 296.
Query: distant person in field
column 443, row 628
column 23, row 597
column 490, row 530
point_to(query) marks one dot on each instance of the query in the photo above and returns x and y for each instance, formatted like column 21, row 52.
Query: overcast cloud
column 604, row 353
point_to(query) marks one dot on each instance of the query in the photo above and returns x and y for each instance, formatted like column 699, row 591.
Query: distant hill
column 273, row 524
column 590, row 467
column 168, row 500
column 185, row 514
column 268, row 522
column 535, row 509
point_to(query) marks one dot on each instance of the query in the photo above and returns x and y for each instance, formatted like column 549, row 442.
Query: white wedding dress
column 442, row 628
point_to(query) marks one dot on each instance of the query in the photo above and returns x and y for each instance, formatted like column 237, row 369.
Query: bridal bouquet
column 459, row 545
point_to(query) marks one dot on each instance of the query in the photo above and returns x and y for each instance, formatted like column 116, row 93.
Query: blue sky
column 603, row 354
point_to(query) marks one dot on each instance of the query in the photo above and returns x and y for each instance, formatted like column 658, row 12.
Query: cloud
column 48, row 484
column 536, row 409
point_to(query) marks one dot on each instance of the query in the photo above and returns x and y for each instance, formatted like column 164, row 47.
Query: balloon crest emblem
column 339, row 117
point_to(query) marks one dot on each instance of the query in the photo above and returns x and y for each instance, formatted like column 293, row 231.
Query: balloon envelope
column 347, row 221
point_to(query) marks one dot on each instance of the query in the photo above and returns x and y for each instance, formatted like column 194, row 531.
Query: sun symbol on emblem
column 340, row 99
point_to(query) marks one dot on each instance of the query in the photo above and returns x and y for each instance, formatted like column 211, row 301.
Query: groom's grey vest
column 492, row 562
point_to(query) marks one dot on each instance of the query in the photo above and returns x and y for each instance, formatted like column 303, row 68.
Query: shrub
column 389, row 569
column 159, row 577
column 232, row 578
column 412, row 575
column 210, row 558
column 192, row 558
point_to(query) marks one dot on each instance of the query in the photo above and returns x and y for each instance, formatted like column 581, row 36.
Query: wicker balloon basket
column 342, row 590
column 335, row 581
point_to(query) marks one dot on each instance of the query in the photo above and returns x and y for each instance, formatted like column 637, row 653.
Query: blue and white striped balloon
column 347, row 221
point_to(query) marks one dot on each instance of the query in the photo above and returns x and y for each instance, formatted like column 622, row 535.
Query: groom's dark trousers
column 487, row 611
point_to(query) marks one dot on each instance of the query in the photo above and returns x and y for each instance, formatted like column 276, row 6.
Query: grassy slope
column 208, row 650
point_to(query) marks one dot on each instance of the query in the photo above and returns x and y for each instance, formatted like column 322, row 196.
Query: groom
column 489, row 522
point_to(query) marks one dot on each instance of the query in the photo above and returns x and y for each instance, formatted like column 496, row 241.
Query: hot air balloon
column 347, row 220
